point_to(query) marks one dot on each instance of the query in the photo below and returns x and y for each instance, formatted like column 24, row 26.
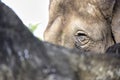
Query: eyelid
column 83, row 33
column 80, row 32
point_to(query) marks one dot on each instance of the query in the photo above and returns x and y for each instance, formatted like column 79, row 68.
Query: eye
column 81, row 38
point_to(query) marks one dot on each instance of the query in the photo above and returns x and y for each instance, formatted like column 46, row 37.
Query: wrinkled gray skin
column 93, row 25
column 24, row 57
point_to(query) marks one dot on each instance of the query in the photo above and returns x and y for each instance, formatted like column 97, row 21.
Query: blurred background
column 33, row 13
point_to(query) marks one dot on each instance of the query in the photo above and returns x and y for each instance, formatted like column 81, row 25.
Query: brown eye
column 81, row 38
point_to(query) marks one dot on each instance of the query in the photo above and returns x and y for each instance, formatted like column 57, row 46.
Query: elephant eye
column 81, row 38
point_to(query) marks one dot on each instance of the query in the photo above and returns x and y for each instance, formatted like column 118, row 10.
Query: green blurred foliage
column 33, row 27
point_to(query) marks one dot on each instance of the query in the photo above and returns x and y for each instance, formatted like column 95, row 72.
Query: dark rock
column 24, row 57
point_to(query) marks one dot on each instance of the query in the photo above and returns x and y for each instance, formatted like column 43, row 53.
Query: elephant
column 92, row 25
